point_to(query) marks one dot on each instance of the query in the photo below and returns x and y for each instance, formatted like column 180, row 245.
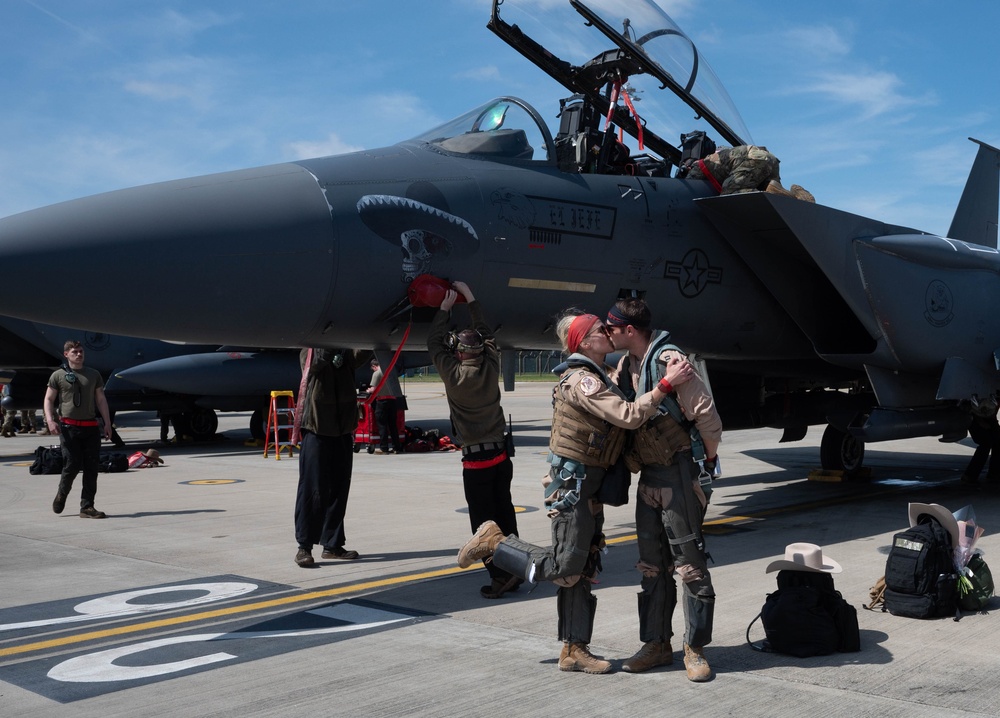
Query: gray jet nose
column 208, row 258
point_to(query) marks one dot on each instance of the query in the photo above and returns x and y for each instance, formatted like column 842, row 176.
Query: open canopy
column 591, row 46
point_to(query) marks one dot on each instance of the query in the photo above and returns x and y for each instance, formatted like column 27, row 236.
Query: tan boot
column 577, row 657
column 697, row 667
column 651, row 655
column 775, row 187
column 800, row 192
column 482, row 544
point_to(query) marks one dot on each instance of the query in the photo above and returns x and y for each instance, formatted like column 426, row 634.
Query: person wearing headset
column 469, row 365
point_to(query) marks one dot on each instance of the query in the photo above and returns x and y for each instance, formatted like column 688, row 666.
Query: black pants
column 487, row 492
column 81, row 450
column 325, row 466
column 385, row 418
column 986, row 433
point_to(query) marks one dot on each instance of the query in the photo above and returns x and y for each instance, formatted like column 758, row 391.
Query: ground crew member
column 744, row 168
column 73, row 400
column 671, row 503
column 590, row 416
column 469, row 367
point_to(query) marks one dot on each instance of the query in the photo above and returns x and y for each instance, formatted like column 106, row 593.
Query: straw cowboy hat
column 153, row 455
column 804, row 557
column 944, row 517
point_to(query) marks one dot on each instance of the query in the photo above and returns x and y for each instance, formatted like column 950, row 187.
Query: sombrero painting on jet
column 804, row 557
column 944, row 517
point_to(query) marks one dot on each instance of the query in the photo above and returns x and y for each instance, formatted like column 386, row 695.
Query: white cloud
column 487, row 72
column 876, row 93
column 332, row 145
column 159, row 90
column 817, row 40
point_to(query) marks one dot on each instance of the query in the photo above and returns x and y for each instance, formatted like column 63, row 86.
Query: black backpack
column 112, row 462
column 48, row 460
column 920, row 577
column 807, row 616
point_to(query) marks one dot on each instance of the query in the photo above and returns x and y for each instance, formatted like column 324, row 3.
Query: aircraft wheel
column 839, row 451
column 203, row 424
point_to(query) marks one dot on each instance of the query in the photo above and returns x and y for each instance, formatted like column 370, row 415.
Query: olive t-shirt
column 76, row 398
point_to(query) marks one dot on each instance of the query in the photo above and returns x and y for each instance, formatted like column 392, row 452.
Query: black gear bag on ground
column 48, row 460
column 112, row 462
column 807, row 616
column 920, row 578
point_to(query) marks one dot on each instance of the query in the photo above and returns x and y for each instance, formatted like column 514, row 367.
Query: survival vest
column 656, row 441
column 578, row 435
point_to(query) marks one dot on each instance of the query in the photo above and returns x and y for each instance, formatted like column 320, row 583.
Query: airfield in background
column 186, row 600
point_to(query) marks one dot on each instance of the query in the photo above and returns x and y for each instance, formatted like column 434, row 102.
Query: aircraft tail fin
column 976, row 216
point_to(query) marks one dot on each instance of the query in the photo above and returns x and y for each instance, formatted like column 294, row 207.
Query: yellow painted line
column 381, row 583
column 225, row 612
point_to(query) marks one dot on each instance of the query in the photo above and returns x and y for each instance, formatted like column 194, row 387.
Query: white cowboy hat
column 804, row 557
column 944, row 517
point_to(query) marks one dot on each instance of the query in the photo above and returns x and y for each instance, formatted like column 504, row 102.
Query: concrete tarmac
column 186, row 600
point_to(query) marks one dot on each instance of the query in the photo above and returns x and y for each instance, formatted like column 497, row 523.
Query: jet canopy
column 504, row 128
column 626, row 56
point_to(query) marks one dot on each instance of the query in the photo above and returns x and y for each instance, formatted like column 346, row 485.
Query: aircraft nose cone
column 200, row 256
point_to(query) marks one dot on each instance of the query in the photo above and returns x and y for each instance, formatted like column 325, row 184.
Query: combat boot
column 775, row 187
column 800, row 192
column 697, row 667
column 482, row 544
column 651, row 655
column 577, row 657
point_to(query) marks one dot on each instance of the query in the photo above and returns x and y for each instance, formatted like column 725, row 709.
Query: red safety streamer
column 385, row 374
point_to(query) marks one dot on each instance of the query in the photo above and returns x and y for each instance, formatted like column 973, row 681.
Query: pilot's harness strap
column 709, row 176
column 566, row 470
column 669, row 404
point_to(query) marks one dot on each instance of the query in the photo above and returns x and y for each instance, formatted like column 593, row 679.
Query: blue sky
column 868, row 103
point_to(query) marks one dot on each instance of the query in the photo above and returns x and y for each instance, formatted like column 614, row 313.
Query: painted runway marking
column 117, row 605
column 100, row 666
column 105, row 669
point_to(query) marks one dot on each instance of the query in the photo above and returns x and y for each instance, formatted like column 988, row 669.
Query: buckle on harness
column 562, row 472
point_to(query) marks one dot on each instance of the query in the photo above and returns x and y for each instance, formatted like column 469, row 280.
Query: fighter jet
column 191, row 382
column 803, row 314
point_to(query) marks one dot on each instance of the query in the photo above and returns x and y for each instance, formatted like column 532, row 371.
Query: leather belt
column 476, row 448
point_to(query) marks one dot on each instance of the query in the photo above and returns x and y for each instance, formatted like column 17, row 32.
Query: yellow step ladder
column 280, row 421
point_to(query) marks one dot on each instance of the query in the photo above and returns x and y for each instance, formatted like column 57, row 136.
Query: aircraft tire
column 839, row 451
column 203, row 424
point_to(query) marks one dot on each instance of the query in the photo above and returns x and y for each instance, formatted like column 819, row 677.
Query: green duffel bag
column 975, row 590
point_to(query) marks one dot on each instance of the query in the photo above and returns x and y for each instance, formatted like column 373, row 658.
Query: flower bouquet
column 968, row 533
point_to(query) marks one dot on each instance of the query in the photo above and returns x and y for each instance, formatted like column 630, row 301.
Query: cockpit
column 634, row 79
column 504, row 128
